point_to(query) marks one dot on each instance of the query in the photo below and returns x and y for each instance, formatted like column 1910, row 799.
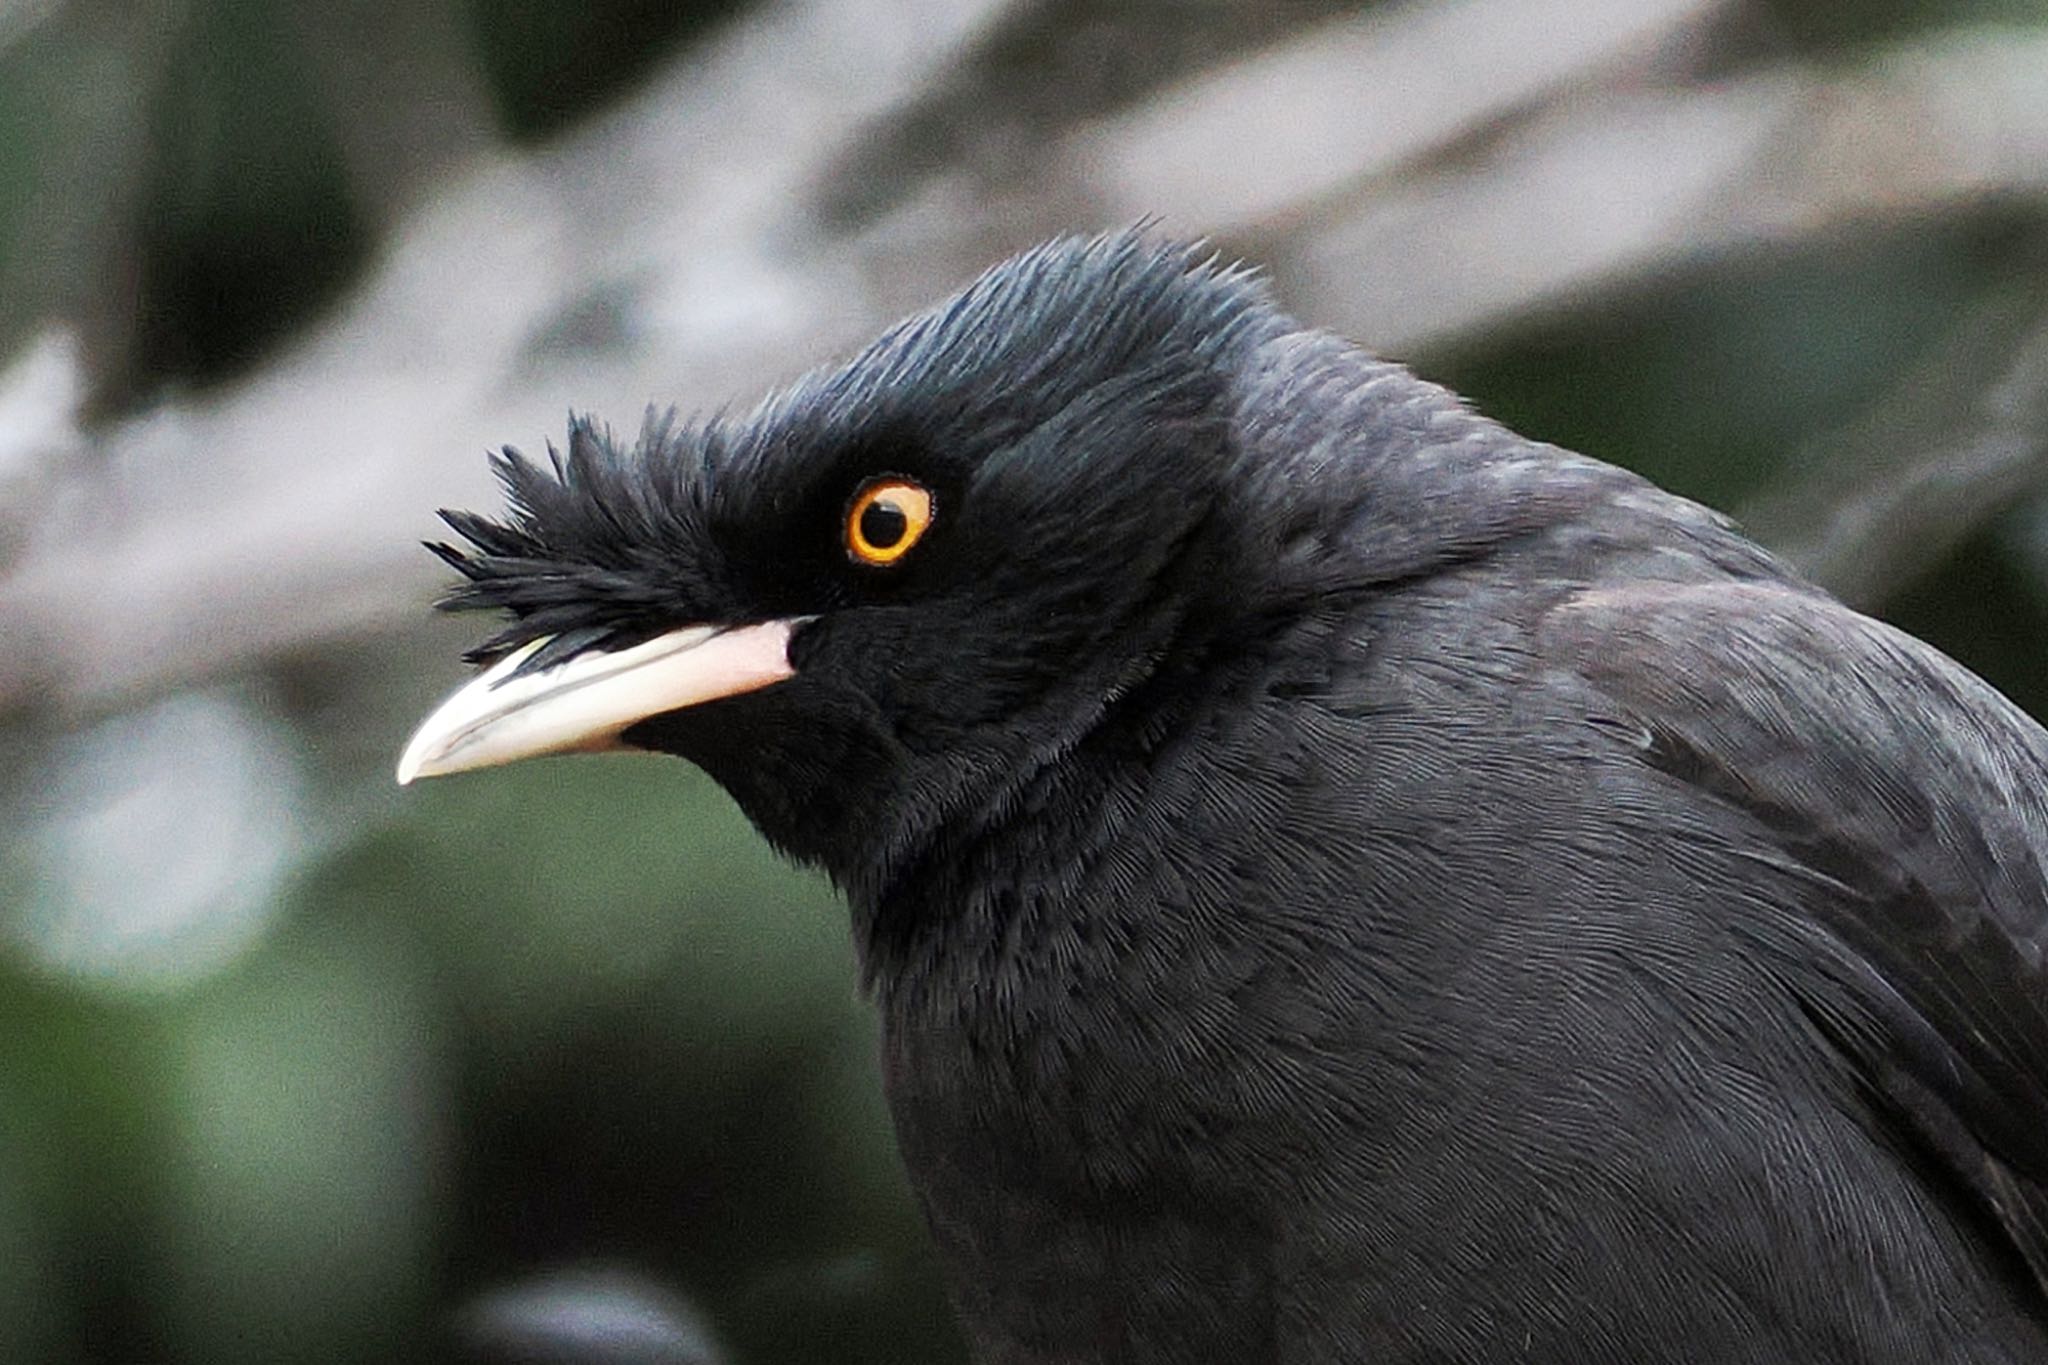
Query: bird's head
column 886, row 592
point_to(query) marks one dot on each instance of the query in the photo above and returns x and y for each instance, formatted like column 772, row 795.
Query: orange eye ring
column 885, row 519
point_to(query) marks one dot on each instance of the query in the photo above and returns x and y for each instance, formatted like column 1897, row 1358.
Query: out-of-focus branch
column 41, row 393
column 1614, row 184
column 649, row 256
column 1262, row 139
column 1885, row 499
column 671, row 251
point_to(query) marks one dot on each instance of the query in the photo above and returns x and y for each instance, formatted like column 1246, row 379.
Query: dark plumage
column 1340, row 881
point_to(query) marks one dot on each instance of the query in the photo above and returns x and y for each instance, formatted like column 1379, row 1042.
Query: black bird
column 1339, row 881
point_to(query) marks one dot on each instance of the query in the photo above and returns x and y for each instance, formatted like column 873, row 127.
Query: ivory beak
column 585, row 703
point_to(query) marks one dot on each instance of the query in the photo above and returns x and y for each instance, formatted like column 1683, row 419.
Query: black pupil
column 882, row 524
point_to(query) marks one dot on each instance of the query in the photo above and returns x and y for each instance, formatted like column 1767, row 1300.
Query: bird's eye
column 885, row 519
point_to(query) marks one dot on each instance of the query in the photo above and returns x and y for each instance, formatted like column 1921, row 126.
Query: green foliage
column 549, row 62
column 251, row 223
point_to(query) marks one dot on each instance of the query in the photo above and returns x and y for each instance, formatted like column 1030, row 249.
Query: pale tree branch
column 675, row 251
column 1263, row 138
column 1613, row 185
column 1885, row 499
column 649, row 256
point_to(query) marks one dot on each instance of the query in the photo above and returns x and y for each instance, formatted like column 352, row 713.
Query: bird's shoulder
column 1899, row 804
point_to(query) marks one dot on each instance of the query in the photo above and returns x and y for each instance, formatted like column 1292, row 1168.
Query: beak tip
column 416, row 762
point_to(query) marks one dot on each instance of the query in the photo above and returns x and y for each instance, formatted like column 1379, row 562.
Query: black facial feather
column 585, row 552
column 606, row 543
column 1070, row 413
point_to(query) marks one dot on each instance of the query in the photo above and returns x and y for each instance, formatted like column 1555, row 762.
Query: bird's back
column 1454, row 971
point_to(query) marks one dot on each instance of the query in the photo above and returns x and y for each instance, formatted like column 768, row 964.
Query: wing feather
column 1910, row 800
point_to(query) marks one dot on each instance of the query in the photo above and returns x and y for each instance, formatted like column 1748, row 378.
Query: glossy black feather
column 1339, row 881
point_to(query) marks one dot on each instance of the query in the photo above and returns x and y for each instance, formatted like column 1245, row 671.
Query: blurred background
column 295, row 1066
